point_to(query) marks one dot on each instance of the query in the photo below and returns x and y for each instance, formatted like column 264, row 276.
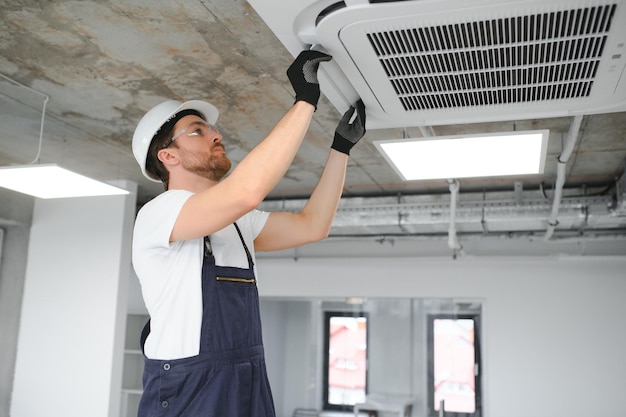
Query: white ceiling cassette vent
column 432, row 62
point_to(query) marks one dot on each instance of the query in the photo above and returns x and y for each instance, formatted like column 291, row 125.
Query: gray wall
column 16, row 212
column 397, row 348
column 73, row 315
column 553, row 339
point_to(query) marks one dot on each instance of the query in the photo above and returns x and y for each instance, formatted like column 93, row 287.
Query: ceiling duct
column 430, row 62
column 494, row 213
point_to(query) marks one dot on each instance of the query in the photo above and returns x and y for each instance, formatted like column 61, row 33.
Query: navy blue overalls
column 228, row 377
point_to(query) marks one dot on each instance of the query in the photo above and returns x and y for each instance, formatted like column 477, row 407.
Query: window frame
column 325, row 390
column 430, row 383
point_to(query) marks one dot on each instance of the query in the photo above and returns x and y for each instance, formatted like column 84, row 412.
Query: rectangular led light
column 464, row 156
column 52, row 181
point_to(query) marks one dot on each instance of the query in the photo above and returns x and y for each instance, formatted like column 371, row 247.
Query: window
column 345, row 359
column 454, row 364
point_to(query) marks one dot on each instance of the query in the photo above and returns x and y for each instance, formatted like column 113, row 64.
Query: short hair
column 154, row 166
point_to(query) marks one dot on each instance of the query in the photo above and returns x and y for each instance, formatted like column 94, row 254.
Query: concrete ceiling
column 104, row 63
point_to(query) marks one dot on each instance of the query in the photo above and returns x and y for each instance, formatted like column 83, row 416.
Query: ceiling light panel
column 52, row 181
column 465, row 156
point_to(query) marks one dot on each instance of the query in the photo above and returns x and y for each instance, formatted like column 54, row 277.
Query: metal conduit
column 43, row 113
column 453, row 241
column 572, row 138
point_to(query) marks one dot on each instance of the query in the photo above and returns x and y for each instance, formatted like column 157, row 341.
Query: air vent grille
column 522, row 59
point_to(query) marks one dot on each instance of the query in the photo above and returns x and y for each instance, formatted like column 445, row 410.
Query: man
column 193, row 247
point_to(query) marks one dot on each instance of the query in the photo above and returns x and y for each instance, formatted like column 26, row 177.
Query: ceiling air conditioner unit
column 433, row 62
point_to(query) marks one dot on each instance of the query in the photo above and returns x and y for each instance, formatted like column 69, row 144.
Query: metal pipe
column 453, row 241
column 572, row 138
column 43, row 113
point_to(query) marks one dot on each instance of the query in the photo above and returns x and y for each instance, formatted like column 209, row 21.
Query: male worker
column 193, row 247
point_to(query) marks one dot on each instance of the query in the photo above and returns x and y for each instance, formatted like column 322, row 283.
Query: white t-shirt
column 170, row 273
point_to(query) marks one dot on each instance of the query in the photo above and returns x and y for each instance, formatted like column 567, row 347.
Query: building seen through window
column 346, row 360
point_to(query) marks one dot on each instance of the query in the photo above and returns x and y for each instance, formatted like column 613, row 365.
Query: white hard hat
column 160, row 114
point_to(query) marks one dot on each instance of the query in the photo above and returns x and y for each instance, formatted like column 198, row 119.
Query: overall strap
column 208, row 249
column 144, row 335
column 248, row 255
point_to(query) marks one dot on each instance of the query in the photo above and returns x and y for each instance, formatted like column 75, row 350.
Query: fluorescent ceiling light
column 52, row 181
column 487, row 155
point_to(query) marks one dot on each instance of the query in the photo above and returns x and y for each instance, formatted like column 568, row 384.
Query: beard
column 210, row 165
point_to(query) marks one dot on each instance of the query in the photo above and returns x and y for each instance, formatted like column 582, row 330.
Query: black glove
column 303, row 75
column 346, row 134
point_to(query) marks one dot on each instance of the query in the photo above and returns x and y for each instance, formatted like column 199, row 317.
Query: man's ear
column 167, row 157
